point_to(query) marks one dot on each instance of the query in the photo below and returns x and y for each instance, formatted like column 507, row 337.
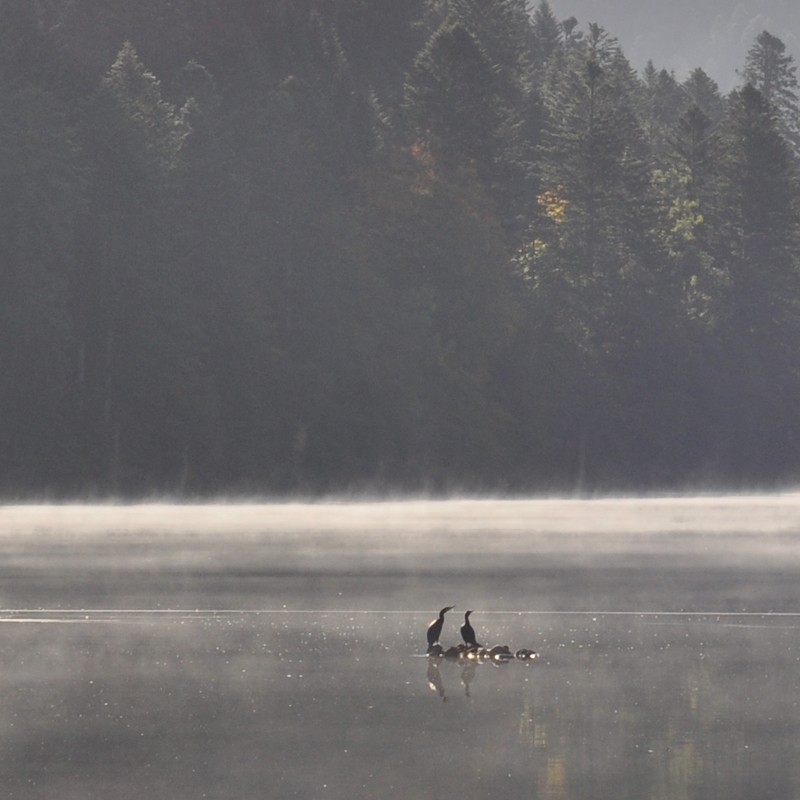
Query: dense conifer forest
column 329, row 245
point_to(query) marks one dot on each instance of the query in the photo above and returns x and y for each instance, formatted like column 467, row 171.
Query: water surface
column 271, row 651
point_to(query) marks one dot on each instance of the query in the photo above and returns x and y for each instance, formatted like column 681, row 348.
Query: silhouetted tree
column 134, row 346
column 704, row 93
column 771, row 70
column 43, row 192
column 547, row 34
column 762, row 320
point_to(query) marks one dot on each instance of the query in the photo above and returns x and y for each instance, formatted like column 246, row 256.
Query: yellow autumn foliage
column 554, row 203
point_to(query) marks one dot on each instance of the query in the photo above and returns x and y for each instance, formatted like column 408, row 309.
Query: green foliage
column 429, row 245
column 771, row 70
column 687, row 192
column 452, row 103
column 664, row 101
column 762, row 203
column 593, row 155
column 704, row 93
column 547, row 34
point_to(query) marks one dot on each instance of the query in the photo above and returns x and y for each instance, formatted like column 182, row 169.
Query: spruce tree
column 132, row 310
column 547, row 34
column 589, row 260
column 664, row 101
column 592, row 157
column 761, row 325
column 704, row 93
column 771, row 70
column 42, row 196
column 451, row 101
column 762, row 197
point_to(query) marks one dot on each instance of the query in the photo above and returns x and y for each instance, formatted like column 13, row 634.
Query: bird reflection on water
column 470, row 660
column 469, row 653
column 468, row 675
column 435, row 683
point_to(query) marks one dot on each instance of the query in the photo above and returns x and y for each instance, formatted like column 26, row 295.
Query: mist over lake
column 278, row 650
column 407, row 250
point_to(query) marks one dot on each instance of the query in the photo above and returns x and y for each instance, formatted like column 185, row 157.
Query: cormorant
column 468, row 632
column 435, row 628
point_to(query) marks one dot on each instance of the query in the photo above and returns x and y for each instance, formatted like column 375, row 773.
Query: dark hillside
column 325, row 245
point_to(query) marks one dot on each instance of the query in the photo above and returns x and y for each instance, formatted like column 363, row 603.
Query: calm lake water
column 278, row 651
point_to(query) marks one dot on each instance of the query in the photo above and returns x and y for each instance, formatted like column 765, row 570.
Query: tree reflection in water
column 649, row 708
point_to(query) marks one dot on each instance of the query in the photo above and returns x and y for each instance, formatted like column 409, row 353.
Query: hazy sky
column 683, row 34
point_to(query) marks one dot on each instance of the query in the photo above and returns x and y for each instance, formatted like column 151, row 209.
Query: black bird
column 435, row 628
column 468, row 632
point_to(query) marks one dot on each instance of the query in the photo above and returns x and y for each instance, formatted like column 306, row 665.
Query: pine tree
column 502, row 27
column 664, row 101
column 136, row 94
column 346, row 120
column 132, row 311
column 761, row 325
column 690, row 228
column 504, row 33
column 593, row 155
column 763, row 206
column 381, row 38
column 589, row 262
column 704, row 93
column 42, row 196
column 452, row 104
column 771, row 70
column 547, row 34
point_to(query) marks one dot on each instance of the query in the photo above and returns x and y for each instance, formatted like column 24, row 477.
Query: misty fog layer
column 278, row 650
column 513, row 554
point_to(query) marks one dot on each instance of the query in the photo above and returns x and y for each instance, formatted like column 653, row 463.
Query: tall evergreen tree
column 763, row 210
column 771, row 70
column 593, row 156
column 43, row 192
column 452, row 310
column 155, row 123
column 589, row 261
column 664, row 101
column 504, row 31
column 689, row 186
column 704, row 93
column 547, row 34
column 132, row 325
column 762, row 321
column 452, row 101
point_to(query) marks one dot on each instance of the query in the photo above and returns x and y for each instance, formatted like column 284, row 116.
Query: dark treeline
column 299, row 245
